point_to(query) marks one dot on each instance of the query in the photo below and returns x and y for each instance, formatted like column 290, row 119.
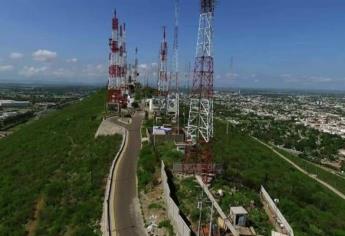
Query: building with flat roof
column 14, row 104
column 238, row 215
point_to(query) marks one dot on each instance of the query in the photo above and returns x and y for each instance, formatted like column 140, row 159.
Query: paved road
column 127, row 214
column 334, row 190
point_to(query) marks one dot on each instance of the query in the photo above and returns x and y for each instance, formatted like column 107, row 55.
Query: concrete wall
column 180, row 226
column 272, row 206
column 158, row 139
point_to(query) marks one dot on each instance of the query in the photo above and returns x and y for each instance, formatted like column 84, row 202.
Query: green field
column 310, row 208
column 335, row 180
column 53, row 173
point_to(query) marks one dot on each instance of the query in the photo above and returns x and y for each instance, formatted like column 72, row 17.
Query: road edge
column 108, row 221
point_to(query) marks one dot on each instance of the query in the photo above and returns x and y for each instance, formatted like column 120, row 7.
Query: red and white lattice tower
column 116, row 80
column 123, row 55
column 200, row 121
column 163, row 80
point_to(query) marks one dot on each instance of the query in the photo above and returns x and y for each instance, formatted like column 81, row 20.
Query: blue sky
column 273, row 43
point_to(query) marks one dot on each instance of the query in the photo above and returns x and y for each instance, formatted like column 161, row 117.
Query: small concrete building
column 238, row 216
column 274, row 233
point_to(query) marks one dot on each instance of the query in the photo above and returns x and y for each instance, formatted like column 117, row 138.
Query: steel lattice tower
column 176, row 63
column 163, row 81
column 176, row 45
column 117, row 61
column 200, row 121
column 136, row 65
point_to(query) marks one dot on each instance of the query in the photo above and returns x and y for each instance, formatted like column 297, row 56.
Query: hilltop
column 53, row 173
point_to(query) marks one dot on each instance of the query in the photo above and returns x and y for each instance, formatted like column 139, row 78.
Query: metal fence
column 180, row 226
column 272, row 206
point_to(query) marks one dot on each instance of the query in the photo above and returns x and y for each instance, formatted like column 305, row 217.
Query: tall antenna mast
column 176, row 45
column 200, row 122
column 163, row 81
column 136, row 65
column 117, row 66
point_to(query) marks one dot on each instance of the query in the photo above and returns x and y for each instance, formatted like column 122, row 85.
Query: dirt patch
column 154, row 210
column 108, row 128
column 32, row 224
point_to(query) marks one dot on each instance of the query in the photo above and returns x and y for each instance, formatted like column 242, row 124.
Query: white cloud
column 16, row 55
column 29, row 71
column 72, row 60
column 95, row 70
column 4, row 68
column 232, row 75
column 44, row 55
column 63, row 73
column 306, row 79
column 143, row 66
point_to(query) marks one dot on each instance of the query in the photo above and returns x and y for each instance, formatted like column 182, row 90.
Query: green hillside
column 53, row 173
column 310, row 208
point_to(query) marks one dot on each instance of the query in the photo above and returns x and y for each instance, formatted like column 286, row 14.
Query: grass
column 147, row 166
column 56, row 160
column 166, row 224
column 188, row 193
column 310, row 208
column 149, row 163
column 155, row 206
column 332, row 179
column 143, row 132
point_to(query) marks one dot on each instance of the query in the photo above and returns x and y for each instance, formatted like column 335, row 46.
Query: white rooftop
column 239, row 210
column 160, row 130
column 277, row 234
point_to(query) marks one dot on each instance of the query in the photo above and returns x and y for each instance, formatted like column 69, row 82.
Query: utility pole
column 211, row 217
column 200, row 210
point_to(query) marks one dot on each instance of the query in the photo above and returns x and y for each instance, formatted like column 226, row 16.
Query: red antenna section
column 163, row 82
column 117, row 85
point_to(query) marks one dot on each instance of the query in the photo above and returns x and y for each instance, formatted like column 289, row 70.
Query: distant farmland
column 53, row 173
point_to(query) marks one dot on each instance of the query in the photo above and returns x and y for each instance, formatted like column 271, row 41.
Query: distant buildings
column 14, row 104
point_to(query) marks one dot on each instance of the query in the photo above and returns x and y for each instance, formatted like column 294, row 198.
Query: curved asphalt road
column 127, row 214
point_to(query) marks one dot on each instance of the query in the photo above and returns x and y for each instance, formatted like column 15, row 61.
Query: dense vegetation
column 15, row 120
column 145, row 92
column 150, row 161
column 53, row 173
column 310, row 208
column 333, row 179
column 313, row 144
